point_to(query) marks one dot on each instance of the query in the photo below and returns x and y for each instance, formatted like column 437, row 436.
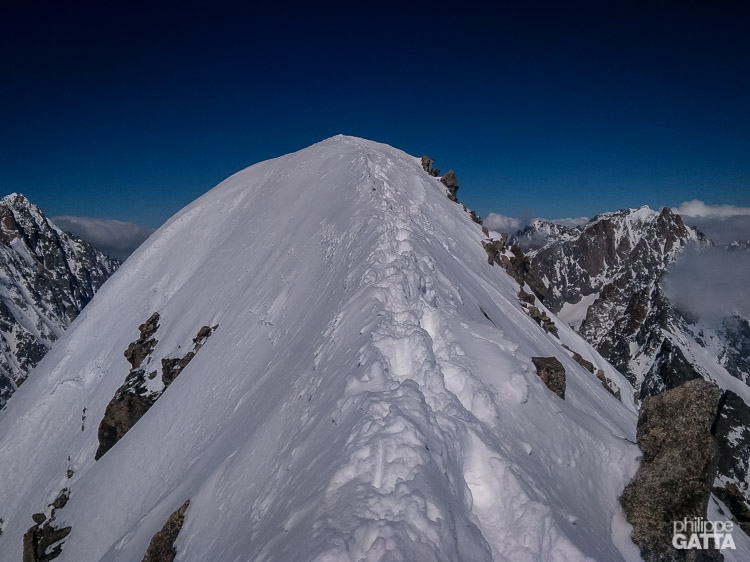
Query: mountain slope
column 48, row 276
column 605, row 278
column 367, row 391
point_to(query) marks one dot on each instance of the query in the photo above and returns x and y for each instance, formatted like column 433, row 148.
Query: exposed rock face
column 49, row 276
column 161, row 548
column 450, row 181
column 732, row 430
column 616, row 260
column 670, row 370
column 38, row 540
column 677, row 470
column 552, row 373
column 140, row 390
column 515, row 262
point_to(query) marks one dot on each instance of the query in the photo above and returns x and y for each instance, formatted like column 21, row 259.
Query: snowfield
column 355, row 403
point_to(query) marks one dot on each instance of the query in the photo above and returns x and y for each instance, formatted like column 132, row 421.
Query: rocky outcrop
column 427, row 163
column 48, row 277
column 161, row 548
column 732, row 431
column 541, row 318
column 552, row 373
column 140, row 390
column 515, row 262
column 43, row 541
column 677, row 469
column 450, row 181
column 669, row 370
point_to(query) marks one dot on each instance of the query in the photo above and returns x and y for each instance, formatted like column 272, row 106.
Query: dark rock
column 669, row 370
column 450, row 181
column 552, row 373
column 476, row 218
column 588, row 365
column 62, row 499
column 122, row 413
column 48, row 278
column 427, row 163
column 145, row 344
column 494, row 248
column 677, row 469
column 528, row 298
column 607, row 384
column 541, row 318
column 133, row 399
column 161, row 548
column 732, row 432
column 39, row 518
column 38, row 540
column 69, row 473
column 486, row 231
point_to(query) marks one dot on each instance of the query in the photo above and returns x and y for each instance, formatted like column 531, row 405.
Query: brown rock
column 552, row 373
column 161, row 548
column 677, row 470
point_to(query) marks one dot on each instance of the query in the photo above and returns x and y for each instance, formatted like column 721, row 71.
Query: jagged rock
column 122, row 413
column 475, row 217
column 161, row 548
column 427, row 163
column 450, row 181
column 48, row 277
column 552, row 373
column 62, row 499
column 669, row 370
column 486, row 231
column 677, row 469
column 542, row 319
column 588, row 365
column 617, row 260
column 38, row 540
column 528, row 298
column 494, row 248
column 607, row 384
column 144, row 345
column 732, row 431
column 134, row 398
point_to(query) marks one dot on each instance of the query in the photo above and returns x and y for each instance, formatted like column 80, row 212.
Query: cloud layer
column 720, row 223
column 117, row 239
column 710, row 283
column 697, row 208
column 502, row 223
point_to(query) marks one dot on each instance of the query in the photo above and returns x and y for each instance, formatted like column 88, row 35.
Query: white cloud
column 710, row 282
column 117, row 239
column 697, row 208
column 501, row 223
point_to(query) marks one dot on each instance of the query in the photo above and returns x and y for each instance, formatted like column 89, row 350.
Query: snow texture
column 354, row 402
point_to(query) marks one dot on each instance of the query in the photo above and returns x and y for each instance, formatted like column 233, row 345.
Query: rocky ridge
column 48, row 276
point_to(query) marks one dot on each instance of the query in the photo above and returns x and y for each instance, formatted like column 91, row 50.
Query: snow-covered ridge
column 368, row 394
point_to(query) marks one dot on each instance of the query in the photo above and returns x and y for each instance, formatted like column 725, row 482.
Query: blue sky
column 130, row 112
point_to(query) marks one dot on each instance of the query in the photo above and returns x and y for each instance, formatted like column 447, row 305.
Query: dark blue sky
column 130, row 111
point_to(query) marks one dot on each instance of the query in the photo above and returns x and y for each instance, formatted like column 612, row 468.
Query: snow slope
column 354, row 402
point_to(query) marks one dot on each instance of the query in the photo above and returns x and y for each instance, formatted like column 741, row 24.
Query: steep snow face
column 48, row 276
column 353, row 403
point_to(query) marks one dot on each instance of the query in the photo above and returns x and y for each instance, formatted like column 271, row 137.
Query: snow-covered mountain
column 315, row 361
column 605, row 279
column 48, row 276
